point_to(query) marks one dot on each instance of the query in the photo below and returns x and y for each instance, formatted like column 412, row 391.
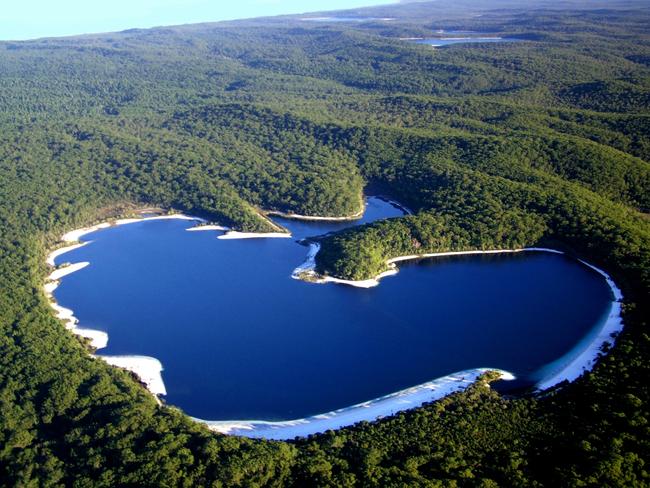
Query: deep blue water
column 240, row 339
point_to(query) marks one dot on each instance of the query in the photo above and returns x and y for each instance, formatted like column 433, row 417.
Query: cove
column 239, row 339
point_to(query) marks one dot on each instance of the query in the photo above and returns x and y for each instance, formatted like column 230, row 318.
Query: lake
column 345, row 19
column 240, row 339
column 448, row 41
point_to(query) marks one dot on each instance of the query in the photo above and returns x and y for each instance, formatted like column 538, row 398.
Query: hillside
column 545, row 140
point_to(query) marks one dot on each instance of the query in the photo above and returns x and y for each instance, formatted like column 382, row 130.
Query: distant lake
column 345, row 19
column 460, row 39
column 240, row 339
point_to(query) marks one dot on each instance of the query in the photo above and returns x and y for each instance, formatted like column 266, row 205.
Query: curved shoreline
column 591, row 352
column 74, row 235
column 585, row 356
column 307, row 270
column 234, row 234
column 293, row 216
column 354, row 216
column 371, row 410
column 149, row 369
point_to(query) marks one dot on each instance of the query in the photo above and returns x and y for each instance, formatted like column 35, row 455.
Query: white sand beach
column 371, row 410
column 583, row 362
column 591, row 351
column 62, row 250
column 75, row 235
column 98, row 338
column 294, row 216
column 307, row 270
column 148, row 369
column 59, row 273
column 354, row 216
column 233, row 234
column 198, row 228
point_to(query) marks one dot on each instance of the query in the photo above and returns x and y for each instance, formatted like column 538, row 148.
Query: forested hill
column 541, row 141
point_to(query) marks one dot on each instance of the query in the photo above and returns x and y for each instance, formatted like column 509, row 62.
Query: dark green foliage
column 545, row 141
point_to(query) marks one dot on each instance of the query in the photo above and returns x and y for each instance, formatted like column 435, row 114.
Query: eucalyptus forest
column 540, row 142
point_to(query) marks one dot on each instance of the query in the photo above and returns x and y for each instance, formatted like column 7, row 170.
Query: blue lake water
column 240, row 339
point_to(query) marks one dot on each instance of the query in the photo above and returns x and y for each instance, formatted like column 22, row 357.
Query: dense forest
column 541, row 141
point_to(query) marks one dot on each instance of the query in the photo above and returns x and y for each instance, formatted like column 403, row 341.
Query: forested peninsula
column 542, row 141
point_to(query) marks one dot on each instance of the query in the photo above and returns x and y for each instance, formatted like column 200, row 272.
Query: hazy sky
column 28, row 19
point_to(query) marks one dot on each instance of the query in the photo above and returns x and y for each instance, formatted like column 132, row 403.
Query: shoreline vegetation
column 149, row 369
column 355, row 216
column 583, row 362
column 493, row 146
column 293, row 216
column 323, row 218
column 307, row 270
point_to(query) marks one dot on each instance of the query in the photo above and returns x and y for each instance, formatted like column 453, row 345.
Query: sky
column 29, row 19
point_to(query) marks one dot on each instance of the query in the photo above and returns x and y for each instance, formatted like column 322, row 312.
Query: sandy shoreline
column 233, row 234
column 277, row 213
column 74, row 235
column 354, row 216
column 591, row 351
column 371, row 410
column 62, row 250
column 59, row 273
column 198, row 228
column 148, row 369
column 307, row 270
column 584, row 360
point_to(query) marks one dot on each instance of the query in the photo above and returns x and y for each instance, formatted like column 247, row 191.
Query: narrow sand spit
column 294, row 216
column 354, row 216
